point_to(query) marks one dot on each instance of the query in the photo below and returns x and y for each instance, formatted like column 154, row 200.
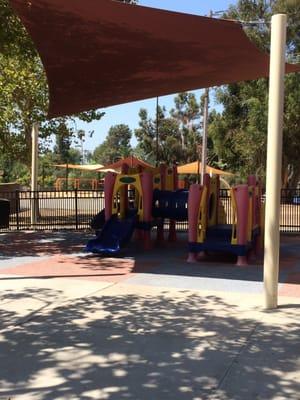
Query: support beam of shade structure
column 274, row 160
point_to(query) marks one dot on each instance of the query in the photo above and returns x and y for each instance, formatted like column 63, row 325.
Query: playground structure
column 208, row 230
column 137, row 199
column 129, row 200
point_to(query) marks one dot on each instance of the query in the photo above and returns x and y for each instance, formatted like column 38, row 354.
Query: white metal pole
column 204, row 135
column 34, row 173
column 205, row 128
column 157, row 135
column 274, row 160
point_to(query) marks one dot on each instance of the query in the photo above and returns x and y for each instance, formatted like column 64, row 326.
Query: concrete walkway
column 142, row 327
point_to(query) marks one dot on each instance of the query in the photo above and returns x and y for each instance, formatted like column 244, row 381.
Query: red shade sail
column 99, row 53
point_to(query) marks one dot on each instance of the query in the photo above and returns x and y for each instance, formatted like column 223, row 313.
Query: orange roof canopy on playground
column 195, row 168
column 82, row 167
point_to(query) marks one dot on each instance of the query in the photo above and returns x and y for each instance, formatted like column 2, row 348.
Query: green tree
column 49, row 172
column 239, row 132
column 115, row 146
column 24, row 93
column 186, row 113
column 139, row 152
column 169, row 147
column 62, row 146
column 178, row 132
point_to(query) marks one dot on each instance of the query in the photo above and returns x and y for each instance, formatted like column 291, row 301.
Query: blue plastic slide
column 115, row 234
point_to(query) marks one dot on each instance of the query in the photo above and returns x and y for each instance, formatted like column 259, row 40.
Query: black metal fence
column 74, row 209
column 289, row 209
column 70, row 209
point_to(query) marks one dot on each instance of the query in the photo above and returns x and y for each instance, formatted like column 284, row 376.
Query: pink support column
column 253, row 183
column 160, row 229
column 147, row 188
column 109, row 183
column 194, row 199
column 241, row 194
column 259, row 239
column 256, row 213
column 172, row 237
column 218, row 197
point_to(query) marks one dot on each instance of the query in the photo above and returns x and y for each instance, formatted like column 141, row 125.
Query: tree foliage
column 186, row 113
column 239, row 132
column 24, row 93
column 115, row 146
column 169, row 139
column 177, row 131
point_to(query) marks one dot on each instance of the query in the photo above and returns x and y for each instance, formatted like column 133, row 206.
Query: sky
column 128, row 113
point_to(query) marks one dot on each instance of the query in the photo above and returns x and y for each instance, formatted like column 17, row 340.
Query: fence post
column 76, row 208
column 17, row 193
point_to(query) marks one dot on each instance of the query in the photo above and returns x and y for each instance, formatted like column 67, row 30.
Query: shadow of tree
column 171, row 260
column 155, row 345
column 18, row 306
column 34, row 244
column 166, row 259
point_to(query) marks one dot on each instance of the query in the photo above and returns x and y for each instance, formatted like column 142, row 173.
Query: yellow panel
column 132, row 180
column 202, row 217
column 221, row 214
column 157, row 181
column 169, row 179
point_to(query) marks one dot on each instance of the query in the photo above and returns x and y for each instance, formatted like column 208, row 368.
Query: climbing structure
column 138, row 199
column 129, row 207
column 209, row 230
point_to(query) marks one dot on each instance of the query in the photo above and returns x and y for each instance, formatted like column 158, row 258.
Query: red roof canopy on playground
column 99, row 53
column 131, row 161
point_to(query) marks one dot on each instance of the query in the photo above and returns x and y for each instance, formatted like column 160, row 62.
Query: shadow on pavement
column 166, row 259
column 145, row 347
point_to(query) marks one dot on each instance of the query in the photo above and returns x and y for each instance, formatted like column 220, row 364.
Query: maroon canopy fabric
column 99, row 53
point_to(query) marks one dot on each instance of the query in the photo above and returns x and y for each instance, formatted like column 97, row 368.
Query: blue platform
column 218, row 239
column 170, row 204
